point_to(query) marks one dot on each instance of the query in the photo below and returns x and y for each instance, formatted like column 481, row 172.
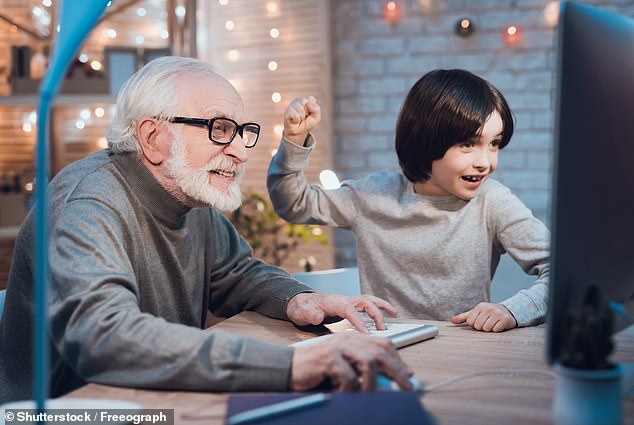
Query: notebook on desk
column 401, row 334
column 356, row 408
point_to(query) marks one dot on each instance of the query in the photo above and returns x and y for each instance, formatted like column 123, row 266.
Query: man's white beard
column 193, row 187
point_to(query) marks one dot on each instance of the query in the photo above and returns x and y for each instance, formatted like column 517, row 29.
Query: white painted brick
column 474, row 62
column 382, row 46
column 360, row 106
column 407, row 65
column 540, row 160
column 356, row 66
column 382, row 160
column 376, row 86
column 528, row 100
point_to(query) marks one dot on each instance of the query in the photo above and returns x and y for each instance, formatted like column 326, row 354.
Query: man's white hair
column 150, row 92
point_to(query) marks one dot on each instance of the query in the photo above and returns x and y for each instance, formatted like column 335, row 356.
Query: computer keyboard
column 401, row 334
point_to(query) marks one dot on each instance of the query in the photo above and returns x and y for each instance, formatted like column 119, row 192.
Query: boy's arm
column 527, row 241
column 293, row 198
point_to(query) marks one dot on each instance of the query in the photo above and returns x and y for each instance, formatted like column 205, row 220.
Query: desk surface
column 457, row 350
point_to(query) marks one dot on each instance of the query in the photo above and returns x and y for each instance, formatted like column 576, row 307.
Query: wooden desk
column 457, row 350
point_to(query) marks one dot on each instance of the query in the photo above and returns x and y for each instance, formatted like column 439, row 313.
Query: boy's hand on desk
column 487, row 317
column 350, row 361
column 312, row 308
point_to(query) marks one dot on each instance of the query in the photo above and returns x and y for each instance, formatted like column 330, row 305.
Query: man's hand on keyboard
column 312, row 308
column 487, row 317
column 350, row 361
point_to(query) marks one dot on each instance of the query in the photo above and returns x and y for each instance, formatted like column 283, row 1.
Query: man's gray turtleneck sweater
column 133, row 273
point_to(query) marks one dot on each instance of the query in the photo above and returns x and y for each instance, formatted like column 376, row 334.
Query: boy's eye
column 495, row 143
column 467, row 145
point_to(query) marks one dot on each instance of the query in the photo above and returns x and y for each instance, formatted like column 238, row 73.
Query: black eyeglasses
column 223, row 130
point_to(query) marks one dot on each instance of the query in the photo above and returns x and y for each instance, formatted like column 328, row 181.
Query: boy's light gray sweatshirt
column 431, row 257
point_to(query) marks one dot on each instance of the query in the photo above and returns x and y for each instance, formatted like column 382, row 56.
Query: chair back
column 344, row 281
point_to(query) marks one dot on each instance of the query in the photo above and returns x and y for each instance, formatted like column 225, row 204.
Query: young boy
column 429, row 238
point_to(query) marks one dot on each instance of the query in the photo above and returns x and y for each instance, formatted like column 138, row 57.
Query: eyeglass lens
column 224, row 130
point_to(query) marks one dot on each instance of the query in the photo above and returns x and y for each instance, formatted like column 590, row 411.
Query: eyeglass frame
column 204, row 122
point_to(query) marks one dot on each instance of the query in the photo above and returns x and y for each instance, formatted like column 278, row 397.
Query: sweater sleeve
column 297, row 201
column 103, row 335
column 240, row 282
column 527, row 241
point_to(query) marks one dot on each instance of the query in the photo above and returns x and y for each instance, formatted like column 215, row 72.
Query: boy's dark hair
column 444, row 108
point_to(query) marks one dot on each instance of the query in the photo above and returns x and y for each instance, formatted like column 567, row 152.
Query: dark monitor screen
column 593, row 169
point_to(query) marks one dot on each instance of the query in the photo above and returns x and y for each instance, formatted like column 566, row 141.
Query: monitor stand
column 591, row 396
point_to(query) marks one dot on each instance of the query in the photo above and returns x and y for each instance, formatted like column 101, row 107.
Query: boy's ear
column 147, row 133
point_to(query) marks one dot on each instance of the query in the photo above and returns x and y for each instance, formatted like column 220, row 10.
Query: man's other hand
column 487, row 317
column 312, row 308
column 350, row 361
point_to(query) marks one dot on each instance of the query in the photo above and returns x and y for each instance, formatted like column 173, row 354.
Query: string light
column 102, row 143
column 512, row 35
column 27, row 127
column 99, row 112
column 164, row 34
column 110, row 33
column 83, row 58
column 80, row 124
column 230, row 25
column 329, row 179
column 223, row 2
column 276, row 97
column 47, row 3
column 272, row 66
column 85, row 114
column 233, row 55
column 96, row 65
column 551, row 13
column 139, row 39
column 274, row 33
column 464, row 27
column 180, row 11
column 278, row 129
column 392, row 11
column 140, row 11
column 272, row 7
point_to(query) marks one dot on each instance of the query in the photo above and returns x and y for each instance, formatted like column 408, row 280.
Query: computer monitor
column 593, row 176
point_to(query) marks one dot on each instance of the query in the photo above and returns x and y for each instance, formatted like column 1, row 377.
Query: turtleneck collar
column 152, row 195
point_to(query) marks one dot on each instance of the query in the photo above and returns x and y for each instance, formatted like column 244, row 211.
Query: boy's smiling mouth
column 473, row 179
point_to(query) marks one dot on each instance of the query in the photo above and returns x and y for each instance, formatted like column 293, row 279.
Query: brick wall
column 375, row 63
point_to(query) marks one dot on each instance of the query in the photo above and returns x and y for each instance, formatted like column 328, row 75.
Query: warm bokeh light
column 96, row 65
column 140, row 11
column 278, row 129
column 80, row 124
column 329, row 179
column 164, row 34
column 83, row 58
column 272, row 7
column 47, row 3
column 84, row 114
column 276, row 97
column 392, row 11
column 512, row 35
column 100, row 112
column 272, row 66
column 223, row 2
column 274, row 33
column 27, row 127
column 233, row 55
column 230, row 25
column 551, row 13
column 102, row 143
column 180, row 11
column 110, row 33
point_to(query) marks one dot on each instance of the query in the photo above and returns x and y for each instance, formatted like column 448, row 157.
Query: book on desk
column 362, row 408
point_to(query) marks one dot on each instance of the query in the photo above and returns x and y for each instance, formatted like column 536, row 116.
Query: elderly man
column 139, row 252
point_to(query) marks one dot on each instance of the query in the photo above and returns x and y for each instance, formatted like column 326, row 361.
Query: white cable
column 507, row 371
